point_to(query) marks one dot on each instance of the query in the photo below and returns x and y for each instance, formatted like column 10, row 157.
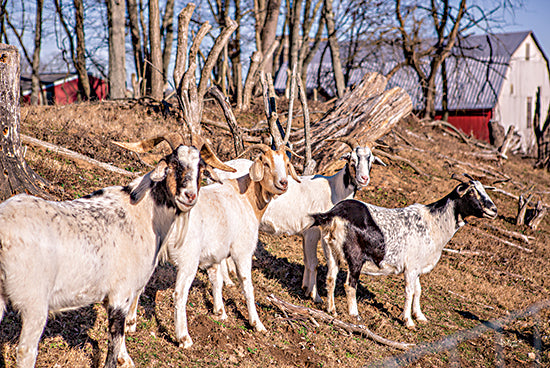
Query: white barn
column 490, row 77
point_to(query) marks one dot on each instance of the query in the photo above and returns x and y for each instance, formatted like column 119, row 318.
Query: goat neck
column 444, row 218
column 254, row 192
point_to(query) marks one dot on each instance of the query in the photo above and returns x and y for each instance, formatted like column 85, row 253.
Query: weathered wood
column 538, row 214
column 496, row 133
column 366, row 113
column 229, row 117
column 325, row 317
column 15, row 176
column 74, row 156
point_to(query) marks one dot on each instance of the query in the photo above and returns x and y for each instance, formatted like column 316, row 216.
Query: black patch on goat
column 97, row 193
column 117, row 320
column 349, row 179
column 364, row 238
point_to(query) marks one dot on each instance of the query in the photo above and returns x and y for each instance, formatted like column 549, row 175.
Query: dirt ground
column 479, row 279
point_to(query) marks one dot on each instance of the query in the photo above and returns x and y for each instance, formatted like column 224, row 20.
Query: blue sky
column 534, row 16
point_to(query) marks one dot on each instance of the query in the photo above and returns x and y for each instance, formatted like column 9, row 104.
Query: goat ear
column 292, row 172
column 211, row 174
column 345, row 156
column 257, row 170
column 160, row 171
column 378, row 161
column 462, row 189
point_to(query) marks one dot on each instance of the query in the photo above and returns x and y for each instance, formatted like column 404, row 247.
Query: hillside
column 479, row 279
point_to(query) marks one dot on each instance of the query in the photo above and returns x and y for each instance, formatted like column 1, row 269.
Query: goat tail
column 321, row 219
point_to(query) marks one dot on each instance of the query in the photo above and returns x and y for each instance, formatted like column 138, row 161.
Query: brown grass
column 461, row 292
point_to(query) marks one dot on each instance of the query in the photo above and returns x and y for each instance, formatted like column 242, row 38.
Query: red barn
column 492, row 76
column 62, row 88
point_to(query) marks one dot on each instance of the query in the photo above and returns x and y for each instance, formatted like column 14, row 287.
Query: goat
column 58, row 256
column 224, row 223
column 381, row 241
column 289, row 214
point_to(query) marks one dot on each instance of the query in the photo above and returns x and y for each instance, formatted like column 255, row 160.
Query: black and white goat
column 382, row 241
column 103, row 247
column 224, row 223
column 289, row 214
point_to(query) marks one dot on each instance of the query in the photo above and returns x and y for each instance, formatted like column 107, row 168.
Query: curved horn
column 210, row 158
column 350, row 141
column 468, row 176
column 263, row 147
column 458, row 178
column 144, row 146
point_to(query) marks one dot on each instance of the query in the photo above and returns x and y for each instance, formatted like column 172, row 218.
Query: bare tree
column 167, row 34
column 190, row 95
column 542, row 133
column 17, row 176
column 155, row 51
column 117, row 48
column 80, row 57
column 328, row 14
column 35, row 78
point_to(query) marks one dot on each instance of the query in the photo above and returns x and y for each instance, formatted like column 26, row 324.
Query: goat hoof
column 186, row 342
column 258, row 326
column 421, row 318
column 221, row 315
column 410, row 325
column 125, row 362
column 317, row 299
column 130, row 328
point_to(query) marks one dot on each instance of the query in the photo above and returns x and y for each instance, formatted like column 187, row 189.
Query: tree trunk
column 117, row 49
column 269, row 28
column 543, row 136
column 157, row 80
column 137, row 47
column 168, row 35
column 36, row 89
column 16, row 176
column 334, row 49
column 80, row 62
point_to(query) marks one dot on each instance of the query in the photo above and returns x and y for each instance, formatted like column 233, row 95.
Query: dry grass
column 461, row 292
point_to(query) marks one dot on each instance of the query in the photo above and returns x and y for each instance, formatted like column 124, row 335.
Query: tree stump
column 366, row 113
column 16, row 177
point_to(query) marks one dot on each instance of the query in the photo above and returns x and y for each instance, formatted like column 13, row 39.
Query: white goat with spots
column 382, row 241
column 57, row 256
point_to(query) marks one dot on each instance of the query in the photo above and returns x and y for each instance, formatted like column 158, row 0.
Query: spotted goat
column 103, row 247
column 382, row 241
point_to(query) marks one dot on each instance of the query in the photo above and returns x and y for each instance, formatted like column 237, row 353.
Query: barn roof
column 475, row 70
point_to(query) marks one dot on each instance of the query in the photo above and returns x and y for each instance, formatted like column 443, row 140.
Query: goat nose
column 191, row 196
column 283, row 183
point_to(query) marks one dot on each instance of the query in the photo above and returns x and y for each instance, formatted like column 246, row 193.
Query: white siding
column 521, row 81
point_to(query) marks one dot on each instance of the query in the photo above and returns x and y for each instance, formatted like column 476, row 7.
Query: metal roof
column 475, row 70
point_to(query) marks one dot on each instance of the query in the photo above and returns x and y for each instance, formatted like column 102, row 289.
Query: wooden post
column 15, row 175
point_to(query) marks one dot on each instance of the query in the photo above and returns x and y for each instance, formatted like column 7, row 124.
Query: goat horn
column 458, row 178
column 263, row 147
column 210, row 158
column 146, row 145
column 350, row 141
column 468, row 176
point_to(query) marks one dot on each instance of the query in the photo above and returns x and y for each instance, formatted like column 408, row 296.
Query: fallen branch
column 74, row 156
column 506, row 242
column 452, row 341
column 325, row 317
column 511, row 234
column 401, row 159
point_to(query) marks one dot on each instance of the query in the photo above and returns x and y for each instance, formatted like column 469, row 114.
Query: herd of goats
column 103, row 247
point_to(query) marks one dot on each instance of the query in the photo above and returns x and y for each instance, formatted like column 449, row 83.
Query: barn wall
column 521, row 82
column 471, row 122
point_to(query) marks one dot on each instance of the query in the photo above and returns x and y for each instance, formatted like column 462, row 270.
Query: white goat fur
column 58, row 256
column 225, row 223
column 289, row 214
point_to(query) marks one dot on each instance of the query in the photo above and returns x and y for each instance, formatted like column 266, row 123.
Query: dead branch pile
column 366, row 113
